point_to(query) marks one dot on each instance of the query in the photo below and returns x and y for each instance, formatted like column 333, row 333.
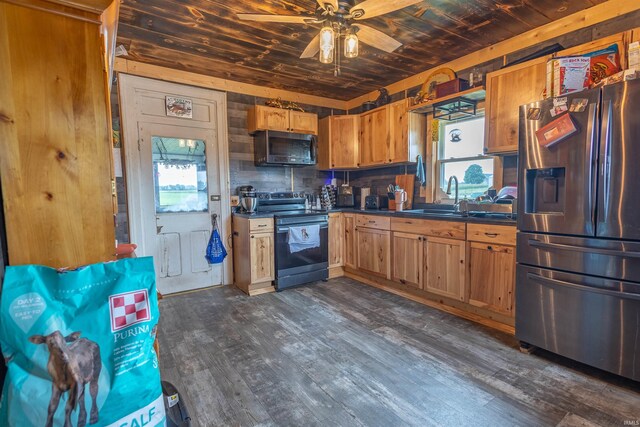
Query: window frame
column 440, row 161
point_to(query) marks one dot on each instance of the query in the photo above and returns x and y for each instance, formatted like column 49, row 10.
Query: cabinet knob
column 491, row 234
column 253, row 237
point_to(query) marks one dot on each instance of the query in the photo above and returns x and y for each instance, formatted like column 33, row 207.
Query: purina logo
column 128, row 309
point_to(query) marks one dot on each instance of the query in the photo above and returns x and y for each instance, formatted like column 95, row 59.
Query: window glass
column 461, row 154
column 475, row 177
column 463, row 139
column 180, row 175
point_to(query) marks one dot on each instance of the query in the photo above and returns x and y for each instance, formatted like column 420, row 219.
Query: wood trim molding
column 591, row 16
column 168, row 74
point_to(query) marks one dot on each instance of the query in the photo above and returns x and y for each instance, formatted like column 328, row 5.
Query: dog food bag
column 79, row 346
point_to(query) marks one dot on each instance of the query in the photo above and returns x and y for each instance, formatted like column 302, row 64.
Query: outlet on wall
column 235, row 201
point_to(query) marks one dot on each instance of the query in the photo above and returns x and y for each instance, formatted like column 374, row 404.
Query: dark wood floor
column 345, row 354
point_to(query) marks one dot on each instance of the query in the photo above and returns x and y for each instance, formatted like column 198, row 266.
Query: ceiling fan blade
column 275, row 18
column 376, row 38
column 312, row 48
column 333, row 3
column 372, row 8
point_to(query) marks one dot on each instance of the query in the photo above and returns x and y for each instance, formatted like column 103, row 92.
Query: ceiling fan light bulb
column 327, row 38
column 326, row 56
column 351, row 45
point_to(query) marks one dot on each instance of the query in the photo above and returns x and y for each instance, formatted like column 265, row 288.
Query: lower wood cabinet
column 492, row 276
column 406, row 259
column 432, row 264
column 350, row 243
column 253, row 250
column 336, row 240
column 444, row 267
column 374, row 251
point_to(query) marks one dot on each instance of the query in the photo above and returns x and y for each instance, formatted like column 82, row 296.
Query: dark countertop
column 382, row 212
column 438, row 216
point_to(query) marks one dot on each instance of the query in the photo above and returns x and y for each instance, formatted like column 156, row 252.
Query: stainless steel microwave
column 284, row 149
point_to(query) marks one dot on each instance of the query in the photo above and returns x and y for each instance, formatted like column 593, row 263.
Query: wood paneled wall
column 55, row 156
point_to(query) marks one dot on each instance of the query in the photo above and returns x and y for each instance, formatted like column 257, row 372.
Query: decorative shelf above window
column 455, row 106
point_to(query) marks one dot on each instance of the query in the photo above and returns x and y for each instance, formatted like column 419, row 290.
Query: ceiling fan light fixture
column 326, row 56
column 327, row 38
column 351, row 43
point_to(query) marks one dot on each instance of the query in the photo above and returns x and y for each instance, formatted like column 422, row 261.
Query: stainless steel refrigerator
column 578, row 244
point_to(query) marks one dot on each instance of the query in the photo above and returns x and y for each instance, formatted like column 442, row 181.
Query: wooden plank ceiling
column 206, row 37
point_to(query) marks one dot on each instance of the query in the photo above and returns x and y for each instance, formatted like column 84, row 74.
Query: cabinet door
column 492, row 276
column 269, row 118
column 262, row 262
column 374, row 137
column 344, row 140
column 507, row 90
column 373, row 251
column 350, row 248
column 336, row 240
column 406, row 259
column 306, row 123
column 399, row 132
column 444, row 267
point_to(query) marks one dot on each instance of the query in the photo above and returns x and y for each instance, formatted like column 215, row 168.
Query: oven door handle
column 286, row 229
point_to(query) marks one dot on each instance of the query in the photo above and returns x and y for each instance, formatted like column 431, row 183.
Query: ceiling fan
column 341, row 18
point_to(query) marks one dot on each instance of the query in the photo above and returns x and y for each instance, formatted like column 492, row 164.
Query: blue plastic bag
column 216, row 251
column 79, row 346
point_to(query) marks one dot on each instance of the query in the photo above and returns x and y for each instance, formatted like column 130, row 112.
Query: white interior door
column 182, row 192
column 177, row 175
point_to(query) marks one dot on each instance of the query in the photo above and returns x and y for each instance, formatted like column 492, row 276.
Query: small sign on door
column 179, row 107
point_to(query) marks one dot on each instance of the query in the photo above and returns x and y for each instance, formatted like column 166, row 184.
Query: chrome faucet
column 453, row 178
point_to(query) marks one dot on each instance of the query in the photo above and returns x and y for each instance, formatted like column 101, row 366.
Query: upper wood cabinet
column 507, row 90
column 338, row 142
column 260, row 117
column 407, row 133
column 374, row 137
column 300, row 122
column 391, row 134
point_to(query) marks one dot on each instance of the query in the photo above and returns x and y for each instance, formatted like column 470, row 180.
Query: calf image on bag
column 71, row 367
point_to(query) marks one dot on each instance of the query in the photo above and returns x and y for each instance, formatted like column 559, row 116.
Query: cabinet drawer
column 261, row 224
column 489, row 233
column 448, row 229
column 373, row 221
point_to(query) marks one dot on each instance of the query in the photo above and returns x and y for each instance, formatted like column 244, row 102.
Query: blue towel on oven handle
column 303, row 237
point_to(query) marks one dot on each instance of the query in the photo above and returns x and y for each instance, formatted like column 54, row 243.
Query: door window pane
column 180, row 175
column 475, row 177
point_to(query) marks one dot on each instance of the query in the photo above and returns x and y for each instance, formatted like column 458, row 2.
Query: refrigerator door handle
column 608, row 252
column 592, row 162
column 563, row 284
column 606, row 161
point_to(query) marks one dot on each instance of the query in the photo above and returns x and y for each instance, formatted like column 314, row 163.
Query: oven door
column 304, row 266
